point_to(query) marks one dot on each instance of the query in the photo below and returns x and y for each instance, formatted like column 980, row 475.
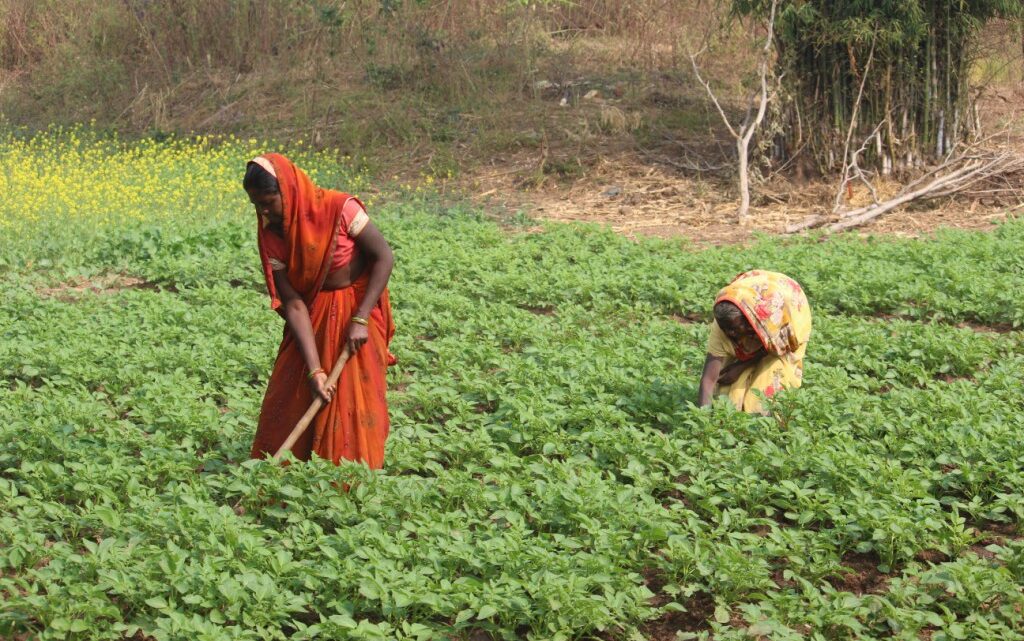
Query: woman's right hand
column 732, row 372
column 318, row 386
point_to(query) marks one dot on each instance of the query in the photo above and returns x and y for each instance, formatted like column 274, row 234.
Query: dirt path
column 638, row 197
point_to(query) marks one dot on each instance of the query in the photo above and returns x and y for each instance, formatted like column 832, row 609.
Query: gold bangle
column 360, row 320
column 318, row 370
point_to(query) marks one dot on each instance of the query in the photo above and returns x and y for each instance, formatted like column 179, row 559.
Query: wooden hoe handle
column 314, row 407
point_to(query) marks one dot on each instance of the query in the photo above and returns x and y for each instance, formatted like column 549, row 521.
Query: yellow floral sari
column 777, row 309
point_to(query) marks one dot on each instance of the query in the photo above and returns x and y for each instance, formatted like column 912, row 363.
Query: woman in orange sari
column 326, row 268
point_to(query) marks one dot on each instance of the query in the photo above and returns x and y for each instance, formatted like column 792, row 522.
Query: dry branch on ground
column 974, row 172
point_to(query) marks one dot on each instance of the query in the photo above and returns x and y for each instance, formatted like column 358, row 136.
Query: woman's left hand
column 732, row 372
column 356, row 337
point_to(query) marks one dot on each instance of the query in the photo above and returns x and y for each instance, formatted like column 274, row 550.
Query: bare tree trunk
column 741, row 149
column 745, row 133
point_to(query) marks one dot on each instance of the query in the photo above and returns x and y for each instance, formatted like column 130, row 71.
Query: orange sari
column 355, row 424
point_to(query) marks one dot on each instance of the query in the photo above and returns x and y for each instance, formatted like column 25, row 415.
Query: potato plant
column 548, row 476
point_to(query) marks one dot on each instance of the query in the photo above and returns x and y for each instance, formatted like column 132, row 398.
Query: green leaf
column 60, row 624
column 343, row 621
column 722, row 614
column 368, row 588
column 157, row 602
column 761, row 628
column 486, row 612
column 291, row 491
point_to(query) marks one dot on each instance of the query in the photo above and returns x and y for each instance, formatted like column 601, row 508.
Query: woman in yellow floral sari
column 758, row 340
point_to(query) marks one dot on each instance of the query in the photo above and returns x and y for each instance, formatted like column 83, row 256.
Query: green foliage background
column 547, row 476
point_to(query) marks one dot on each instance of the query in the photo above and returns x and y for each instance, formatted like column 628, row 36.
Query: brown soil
column 539, row 310
column 700, row 608
column 987, row 329
column 981, row 551
column 778, row 576
column 994, row 534
column 1000, row 532
column 862, row 575
column 931, row 556
column 103, row 285
column 633, row 196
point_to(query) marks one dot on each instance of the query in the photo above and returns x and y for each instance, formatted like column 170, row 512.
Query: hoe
column 314, row 407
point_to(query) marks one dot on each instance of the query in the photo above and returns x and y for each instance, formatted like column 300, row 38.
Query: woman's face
column 269, row 207
column 738, row 330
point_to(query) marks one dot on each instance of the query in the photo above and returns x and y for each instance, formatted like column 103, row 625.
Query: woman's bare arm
column 709, row 379
column 296, row 314
column 377, row 253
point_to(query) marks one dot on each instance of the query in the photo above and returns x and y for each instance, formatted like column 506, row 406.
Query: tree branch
column 711, row 94
column 960, row 174
column 847, row 161
column 747, row 128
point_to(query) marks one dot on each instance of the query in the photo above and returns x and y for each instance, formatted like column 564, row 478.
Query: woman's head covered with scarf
column 767, row 303
column 308, row 217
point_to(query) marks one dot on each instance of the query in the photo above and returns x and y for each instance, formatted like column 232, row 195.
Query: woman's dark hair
column 729, row 314
column 259, row 180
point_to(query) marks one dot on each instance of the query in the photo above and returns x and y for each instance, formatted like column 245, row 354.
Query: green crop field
column 548, row 476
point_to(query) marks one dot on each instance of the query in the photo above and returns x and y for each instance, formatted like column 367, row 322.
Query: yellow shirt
column 719, row 344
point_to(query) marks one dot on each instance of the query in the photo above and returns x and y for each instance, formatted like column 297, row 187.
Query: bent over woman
column 326, row 268
column 758, row 340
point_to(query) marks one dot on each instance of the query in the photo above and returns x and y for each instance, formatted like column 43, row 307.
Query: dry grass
column 568, row 111
column 137, row 63
column 433, row 87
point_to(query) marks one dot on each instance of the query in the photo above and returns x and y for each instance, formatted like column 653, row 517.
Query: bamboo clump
column 894, row 77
